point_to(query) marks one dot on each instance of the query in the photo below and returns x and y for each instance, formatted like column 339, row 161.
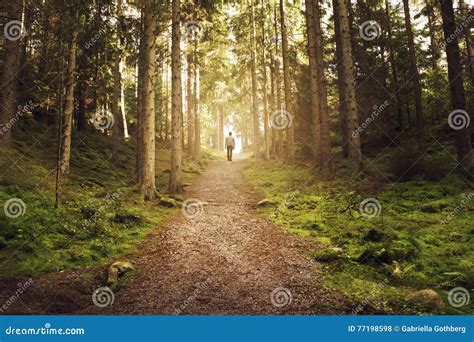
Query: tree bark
column 458, row 99
column 415, row 77
column 197, row 121
column 176, row 185
column 313, row 68
column 325, row 138
column 264, row 90
column 65, row 159
column 147, row 136
column 277, row 132
column 290, row 132
column 12, row 50
column 468, row 39
column 253, row 52
column 354, row 152
column 393, row 64
column 190, row 105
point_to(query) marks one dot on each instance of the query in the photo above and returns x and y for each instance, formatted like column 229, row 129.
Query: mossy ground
column 405, row 248
column 101, row 215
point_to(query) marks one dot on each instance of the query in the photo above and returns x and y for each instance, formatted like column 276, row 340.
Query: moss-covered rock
column 327, row 254
column 428, row 299
column 117, row 270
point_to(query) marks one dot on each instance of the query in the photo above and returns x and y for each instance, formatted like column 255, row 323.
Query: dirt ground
column 219, row 256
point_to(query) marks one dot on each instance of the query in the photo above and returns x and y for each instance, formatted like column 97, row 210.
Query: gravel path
column 223, row 258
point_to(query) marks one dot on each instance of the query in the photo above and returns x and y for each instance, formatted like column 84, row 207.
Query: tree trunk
column 82, row 94
column 468, row 38
column 176, row 185
column 12, row 50
column 458, row 99
column 190, row 105
column 354, row 152
column 147, row 136
column 290, row 138
column 65, row 159
column 431, row 28
column 395, row 84
column 415, row 77
column 197, row 121
column 265, row 97
column 340, row 82
column 220, row 128
column 253, row 51
column 313, row 68
column 278, row 133
column 325, row 139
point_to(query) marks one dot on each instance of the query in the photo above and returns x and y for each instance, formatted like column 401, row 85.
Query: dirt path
column 227, row 260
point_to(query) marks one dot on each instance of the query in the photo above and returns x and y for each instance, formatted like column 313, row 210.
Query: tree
column 147, row 136
column 253, row 72
column 176, row 185
column 468, row 39
column 290, row 137
column 264, row 88
column 8, row 84
column 189, row 102
column 66, row 130
column 458, row 99
column 354, row 152
column 415, row 78
column 322, row 86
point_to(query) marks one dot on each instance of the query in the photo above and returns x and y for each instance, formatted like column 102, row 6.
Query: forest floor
column 223, row 258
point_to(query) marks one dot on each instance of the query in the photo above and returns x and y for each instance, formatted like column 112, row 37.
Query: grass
column 376, row 262
column 101, row 214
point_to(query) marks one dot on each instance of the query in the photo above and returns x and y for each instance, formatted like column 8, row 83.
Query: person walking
column 230, row 145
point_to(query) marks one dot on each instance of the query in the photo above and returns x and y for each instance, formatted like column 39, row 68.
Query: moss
column 408, row 243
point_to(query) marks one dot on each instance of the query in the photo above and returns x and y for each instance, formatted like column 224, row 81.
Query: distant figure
column 229, row 144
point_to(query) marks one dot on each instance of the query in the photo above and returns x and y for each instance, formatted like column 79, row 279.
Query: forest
column 349, row 192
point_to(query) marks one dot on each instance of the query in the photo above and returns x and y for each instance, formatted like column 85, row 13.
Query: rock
column 375, row 235
column 127, row 218
column 426, row 298
column 265, row 203
column 168, row 202
column 328, row 254
column 430, row 208
column 117, row 270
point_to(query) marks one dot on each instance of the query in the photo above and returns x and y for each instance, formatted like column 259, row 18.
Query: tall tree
column 393, row 64
column 290, row 137
column 264, row 87
column 176, row 185
column 458, row 99
column 66, row 130
column 147, row 136
column 189, row 102
column 197, row 119
column 12, row 49
column 468, row 38
column 354, row 152
column 415, row 78
column 253, row 71
column 322, row 89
